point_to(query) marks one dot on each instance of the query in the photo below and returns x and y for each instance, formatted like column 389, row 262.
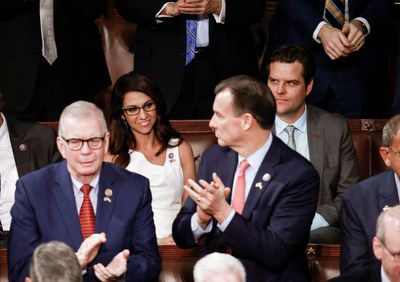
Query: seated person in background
column 142, row 140
column 54, row 262
column 71, row 200
column 218, row 267
column 386, row 247
column 363, row 202
column 265, row 221
column 322, row 138
column 24, row 147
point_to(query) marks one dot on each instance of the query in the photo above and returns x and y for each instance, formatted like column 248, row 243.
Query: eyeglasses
column 395, row 255
column 134, row 110
column 397, row 154
column 75, row 144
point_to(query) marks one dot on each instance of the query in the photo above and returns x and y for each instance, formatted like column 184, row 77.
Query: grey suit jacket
column 33, row 145
column 333, row 155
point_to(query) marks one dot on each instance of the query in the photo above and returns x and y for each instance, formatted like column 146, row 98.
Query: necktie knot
column 290, row 132
column 240, row 188
column 243, row 166
column 86, row 189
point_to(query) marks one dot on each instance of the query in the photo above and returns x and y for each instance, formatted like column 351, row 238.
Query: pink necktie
column 86, row 215
column 240, row 188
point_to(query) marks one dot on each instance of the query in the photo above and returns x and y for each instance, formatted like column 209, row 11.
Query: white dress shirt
column 76, row 185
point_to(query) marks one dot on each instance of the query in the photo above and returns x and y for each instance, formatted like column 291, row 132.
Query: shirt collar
column 257, row 157
column 300, row 124
column 77, row 185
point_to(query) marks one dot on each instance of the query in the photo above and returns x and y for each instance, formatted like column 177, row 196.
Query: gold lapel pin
column 385, row 208
column 259, row 185
column 108, row 192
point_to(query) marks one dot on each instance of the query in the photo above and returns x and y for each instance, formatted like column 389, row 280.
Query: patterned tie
column 191, row 32
column 240, row 188
column 86, row 215
column 49, row 48
column 290, row 132
column 334, row 13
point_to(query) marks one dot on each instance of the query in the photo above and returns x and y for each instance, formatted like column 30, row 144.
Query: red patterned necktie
column 240, row 188
column 86, row 215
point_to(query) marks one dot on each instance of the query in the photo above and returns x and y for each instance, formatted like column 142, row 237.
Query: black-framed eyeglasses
column 395, row 255
column 397, row 154
column 135, row 110
column 75, row 144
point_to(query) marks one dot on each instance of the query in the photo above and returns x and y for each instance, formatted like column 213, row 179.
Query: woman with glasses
column 142, row 140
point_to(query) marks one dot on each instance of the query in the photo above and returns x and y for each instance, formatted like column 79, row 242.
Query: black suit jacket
column 33, row 145
column 271, row 235
column 364, row 274
column 361, row 206
column 81, row 63
column 159, row 48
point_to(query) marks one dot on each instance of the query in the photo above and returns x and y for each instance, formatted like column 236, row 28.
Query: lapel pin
column 385, row 208
column 107, row 199
column 23, row 147
column 108, row 192
column 266, row 177
column 259, row 185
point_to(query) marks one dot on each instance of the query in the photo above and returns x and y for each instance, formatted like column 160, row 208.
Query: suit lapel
column 227, row 170
column 388, row 192
column 315, row 135
column 65, row 199
column 105, row 199
column 19, row 147
column 263, row 177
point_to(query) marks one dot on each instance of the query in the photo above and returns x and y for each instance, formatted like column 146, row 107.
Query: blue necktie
column 191, row 31
column 334, row 13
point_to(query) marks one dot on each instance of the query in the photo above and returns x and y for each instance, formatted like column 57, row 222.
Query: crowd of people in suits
column 284, row 172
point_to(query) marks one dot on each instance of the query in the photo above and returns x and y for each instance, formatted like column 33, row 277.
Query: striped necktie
column 87, row 217
column 191, row 32
column 334, row 13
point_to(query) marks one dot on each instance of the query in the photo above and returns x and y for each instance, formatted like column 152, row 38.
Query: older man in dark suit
column 319, row 136
column 265, row 221
column 24, row 147
column 81, row 197
column 363, row 202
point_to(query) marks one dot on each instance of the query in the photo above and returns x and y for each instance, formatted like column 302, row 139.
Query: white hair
column 219, row 266
column 81, row 109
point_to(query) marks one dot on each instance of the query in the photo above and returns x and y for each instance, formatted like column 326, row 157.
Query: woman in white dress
column 143, row 141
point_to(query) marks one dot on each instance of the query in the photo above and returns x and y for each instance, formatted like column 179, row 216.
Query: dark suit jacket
column 364, row 274
column 81, row 63
column 333, row 155
column 361, row 206
column 45, row 210
column 160, row 48
column 33, row 145
column 271, row 236
column 295, row 22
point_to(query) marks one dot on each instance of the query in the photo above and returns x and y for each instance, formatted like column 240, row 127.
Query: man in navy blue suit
column 48, row 205
column 265, row 221
column 363, row 203
column 349, row 60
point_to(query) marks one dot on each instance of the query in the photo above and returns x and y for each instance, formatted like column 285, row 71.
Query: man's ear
column 61, row 147
column 384, row 151
column 377, row 248
column 247, row 121
column 309, row 87
column 27, row 279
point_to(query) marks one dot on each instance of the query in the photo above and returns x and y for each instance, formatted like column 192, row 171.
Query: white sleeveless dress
column 166, row 185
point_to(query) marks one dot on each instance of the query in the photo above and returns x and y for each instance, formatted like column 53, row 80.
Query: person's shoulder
column 44, row 173
column 31, row 128
column 120, row 173
column 326, row 118
column 367, row 187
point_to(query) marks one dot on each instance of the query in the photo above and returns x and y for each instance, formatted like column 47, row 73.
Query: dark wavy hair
column 121, row 137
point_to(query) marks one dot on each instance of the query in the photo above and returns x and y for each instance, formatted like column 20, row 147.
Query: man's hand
column 210, row 198
column 355, row 35
column 334, row 41
column 172, row 9
column 115, row 269
column 200, row 7
column 89, row 248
